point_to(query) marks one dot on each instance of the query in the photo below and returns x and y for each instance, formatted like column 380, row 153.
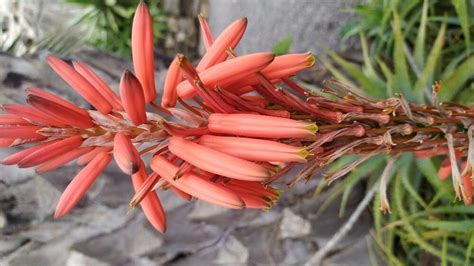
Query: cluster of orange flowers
column 234, row 132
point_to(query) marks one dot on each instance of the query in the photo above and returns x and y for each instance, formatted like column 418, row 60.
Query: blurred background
column 377, row 45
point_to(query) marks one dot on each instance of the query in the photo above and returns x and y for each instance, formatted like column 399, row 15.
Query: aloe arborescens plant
column 226, row 129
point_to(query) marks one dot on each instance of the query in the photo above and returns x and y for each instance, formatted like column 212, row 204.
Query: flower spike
column 142, row 51
column 246, row 125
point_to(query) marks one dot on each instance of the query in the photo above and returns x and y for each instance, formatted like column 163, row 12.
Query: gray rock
column 232, row 252
column 135, row 239
column 11, row 175
column 297, row 251
column 17, row 74
column 99, row 219
column 46, row 231
column 3, row 220
column 78, row 259
column 171, row 202
column 9, row 243
column 203, row 210
column 34, row 199
column 293, row 226
column 85, row 223
column 47, row 197
column 265, row 218
column 54, row 254
column 312, row 24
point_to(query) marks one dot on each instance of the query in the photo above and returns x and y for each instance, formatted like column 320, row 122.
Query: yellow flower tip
column 311, row 59
column 304, row 153
column 313, row 128
column 271, row 200
column 275, row 169
column 278, row 192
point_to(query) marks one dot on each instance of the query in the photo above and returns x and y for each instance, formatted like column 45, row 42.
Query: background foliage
column 406, row 46
column 109, row 22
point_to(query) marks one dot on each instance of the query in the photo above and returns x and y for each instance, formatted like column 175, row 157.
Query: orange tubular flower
column 60, row 112
column 84, row 159
column 255, row 149
column 17, row 157
column 125, row 154
column 150, row 204
column 207, row 36
column 228, row 39
column 217, row 162
column 20, row 132
column 260, row 126
column 227, row 72
column 132, row 98
column 195, row 185
column 62, row 159
column 54, row 98
column 50, row 151
column 80, row 84
column 173, row 77
column 281, row 67
column 445, row 170
column 6, row 142
column 142, row 51
column 9, row 119
column 31, row 114
column 81, row 183
column 99, row 84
